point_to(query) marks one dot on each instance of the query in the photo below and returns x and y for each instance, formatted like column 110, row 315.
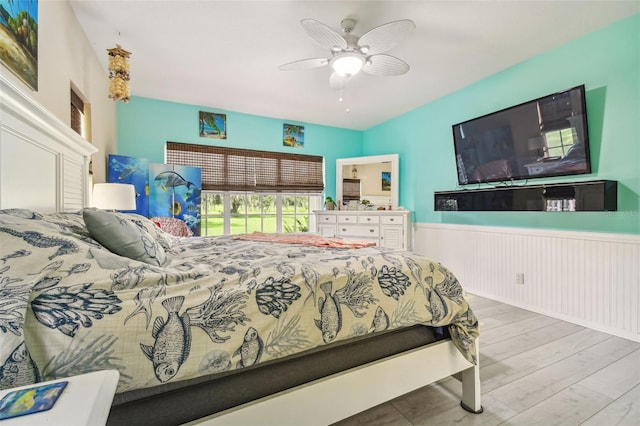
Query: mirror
column 374, row 178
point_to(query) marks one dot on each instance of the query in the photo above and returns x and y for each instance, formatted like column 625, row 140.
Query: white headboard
column 44, row 165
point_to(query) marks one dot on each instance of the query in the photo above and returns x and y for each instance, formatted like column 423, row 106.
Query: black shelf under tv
column 594, row 196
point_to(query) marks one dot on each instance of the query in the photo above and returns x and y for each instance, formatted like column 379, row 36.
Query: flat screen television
column 541, row 138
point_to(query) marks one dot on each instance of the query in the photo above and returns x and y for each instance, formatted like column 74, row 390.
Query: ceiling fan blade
column 304, row 64
column 385, row 65
column 324, row 36
column 337, row 81
column 385, row 36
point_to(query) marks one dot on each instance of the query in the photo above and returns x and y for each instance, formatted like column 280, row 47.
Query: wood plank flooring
column 535, row 370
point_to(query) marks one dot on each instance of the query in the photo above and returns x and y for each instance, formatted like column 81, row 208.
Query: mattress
column 188, row 400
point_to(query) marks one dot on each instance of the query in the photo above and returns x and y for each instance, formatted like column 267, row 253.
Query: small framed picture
column 293, row 135
column 386, row 181
column 212, row 125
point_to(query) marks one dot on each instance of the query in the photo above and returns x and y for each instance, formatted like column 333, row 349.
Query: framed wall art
column 212, row 125
column 293, row 135
column 19, row 39
column 135, row 171
column 386, row 181
column 176, row 191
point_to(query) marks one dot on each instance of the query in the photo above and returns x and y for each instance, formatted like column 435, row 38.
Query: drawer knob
column 344, row 229
column 371, row 230
column 369, row 219
column 391, row 219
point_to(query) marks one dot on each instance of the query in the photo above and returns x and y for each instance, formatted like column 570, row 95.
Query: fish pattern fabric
column 70, row 306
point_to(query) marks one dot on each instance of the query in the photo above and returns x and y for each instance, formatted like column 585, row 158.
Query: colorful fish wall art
column 175, row 191
column 135, row 171
column 165, row 190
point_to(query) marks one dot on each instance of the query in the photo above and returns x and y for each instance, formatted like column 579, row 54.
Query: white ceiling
column 224, row 55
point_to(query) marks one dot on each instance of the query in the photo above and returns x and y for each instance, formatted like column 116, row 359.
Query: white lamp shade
column 347, row 64
column 114, row 196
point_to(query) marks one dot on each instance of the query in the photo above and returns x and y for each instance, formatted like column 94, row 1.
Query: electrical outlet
column 519, row 277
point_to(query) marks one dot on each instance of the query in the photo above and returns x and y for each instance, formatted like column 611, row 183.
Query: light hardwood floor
column 535, row 370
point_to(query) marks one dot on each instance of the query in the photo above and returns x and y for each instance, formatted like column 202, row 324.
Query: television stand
column 593, row 196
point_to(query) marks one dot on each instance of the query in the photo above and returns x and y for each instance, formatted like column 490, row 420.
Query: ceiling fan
column 350, row 53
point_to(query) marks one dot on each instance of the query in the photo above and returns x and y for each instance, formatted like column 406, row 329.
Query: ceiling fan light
column 347, row 64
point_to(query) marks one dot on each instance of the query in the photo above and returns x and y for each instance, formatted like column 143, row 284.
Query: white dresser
column 390, row 229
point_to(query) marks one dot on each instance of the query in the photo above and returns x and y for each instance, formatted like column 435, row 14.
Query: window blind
column 77, row 110
column 232, row 169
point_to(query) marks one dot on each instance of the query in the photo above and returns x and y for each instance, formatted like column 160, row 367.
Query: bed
column 215, row 330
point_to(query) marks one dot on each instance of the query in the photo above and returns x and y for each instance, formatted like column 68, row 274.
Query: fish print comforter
column 70, row 306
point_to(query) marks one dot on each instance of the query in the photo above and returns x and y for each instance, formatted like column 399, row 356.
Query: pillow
column 173, row 226
column 123, row 237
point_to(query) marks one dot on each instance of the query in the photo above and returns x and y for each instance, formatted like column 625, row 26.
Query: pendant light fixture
column 119, row 74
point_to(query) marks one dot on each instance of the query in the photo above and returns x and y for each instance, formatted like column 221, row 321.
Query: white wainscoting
column 588, row 278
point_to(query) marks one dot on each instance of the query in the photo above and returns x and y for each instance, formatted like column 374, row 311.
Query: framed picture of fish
column 19, row 40
column 212, row 125
column 175, row 191
column 133, row 170
column 293, row 135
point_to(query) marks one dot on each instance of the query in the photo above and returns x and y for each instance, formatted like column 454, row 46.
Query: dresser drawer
column 392, row 220
column 326, row 218
column 358, row 231
column 368, row 219
column 348, row 218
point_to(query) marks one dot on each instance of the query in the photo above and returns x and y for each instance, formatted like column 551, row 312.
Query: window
column 80, row 117
column 232, row 213
column 77, row 113
column 295, row 212
column 248, row 190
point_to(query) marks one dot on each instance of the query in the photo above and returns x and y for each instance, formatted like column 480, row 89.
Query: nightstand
column 85, row 401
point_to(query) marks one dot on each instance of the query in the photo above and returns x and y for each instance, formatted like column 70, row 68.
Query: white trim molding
column 588, row 278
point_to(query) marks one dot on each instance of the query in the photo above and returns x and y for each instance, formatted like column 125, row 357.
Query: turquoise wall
column 607, row 62
column 144, row 125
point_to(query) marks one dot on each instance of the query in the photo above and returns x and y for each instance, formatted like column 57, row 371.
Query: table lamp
column 114, row 196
